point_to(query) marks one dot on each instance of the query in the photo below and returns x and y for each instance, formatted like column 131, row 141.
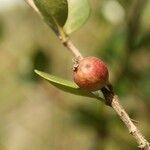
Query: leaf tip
column 42, row 74
column 37, row 72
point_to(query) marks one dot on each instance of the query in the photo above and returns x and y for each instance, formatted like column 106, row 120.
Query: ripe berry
column 91, row 74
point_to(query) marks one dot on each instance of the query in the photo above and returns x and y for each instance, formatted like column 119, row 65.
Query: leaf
column 55, row 12
column 142, row 41
column 78, row 13
column 66, row 85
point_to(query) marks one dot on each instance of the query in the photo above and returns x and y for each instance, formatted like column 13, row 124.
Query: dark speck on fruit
column 88, row 66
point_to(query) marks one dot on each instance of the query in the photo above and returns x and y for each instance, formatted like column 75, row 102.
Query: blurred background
column 37, row 116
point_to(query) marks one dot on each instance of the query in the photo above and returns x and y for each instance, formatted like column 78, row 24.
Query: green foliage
column 1, row 28
column 63, row 16
column 66, row 85
column 143, row 41
column 55, row 12
column 114, row 50
column 41, row 115
column 92, row 118
column 77, row 15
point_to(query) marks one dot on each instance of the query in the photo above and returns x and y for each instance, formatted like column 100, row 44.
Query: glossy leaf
column 78, row 13
column 66, row 85
column 55, row 12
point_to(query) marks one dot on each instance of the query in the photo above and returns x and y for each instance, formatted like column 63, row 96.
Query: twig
column 70, row 46
column 113, row 101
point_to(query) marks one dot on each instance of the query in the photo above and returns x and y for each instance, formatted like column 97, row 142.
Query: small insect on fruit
column 91, row 74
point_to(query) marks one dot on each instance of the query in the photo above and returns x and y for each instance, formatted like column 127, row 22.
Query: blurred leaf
column 40, row 60
column 143, row 41
column 91, row 118
column 55, row 12
column 143, row 85
column 1, row 28
column 66, row 85
column 78, row 13
column 125, row 3
column 124, row 85
column 114, row 50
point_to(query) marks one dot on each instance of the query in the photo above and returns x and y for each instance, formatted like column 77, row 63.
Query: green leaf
column 78, row 13
column 55, row 12
column 66, row 85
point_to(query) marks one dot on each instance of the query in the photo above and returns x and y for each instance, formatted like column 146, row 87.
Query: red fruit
column 91, row 74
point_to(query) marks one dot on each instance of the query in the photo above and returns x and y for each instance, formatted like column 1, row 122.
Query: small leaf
column 55, row 12
column 78, row 13
column 66, row 85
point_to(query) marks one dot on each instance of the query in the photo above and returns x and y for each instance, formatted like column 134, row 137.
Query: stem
column 113, row 101
column 142, row 142
column 70, row 46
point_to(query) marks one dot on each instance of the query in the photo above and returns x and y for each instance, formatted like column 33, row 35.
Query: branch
column 70, row 46
column 112, row 100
